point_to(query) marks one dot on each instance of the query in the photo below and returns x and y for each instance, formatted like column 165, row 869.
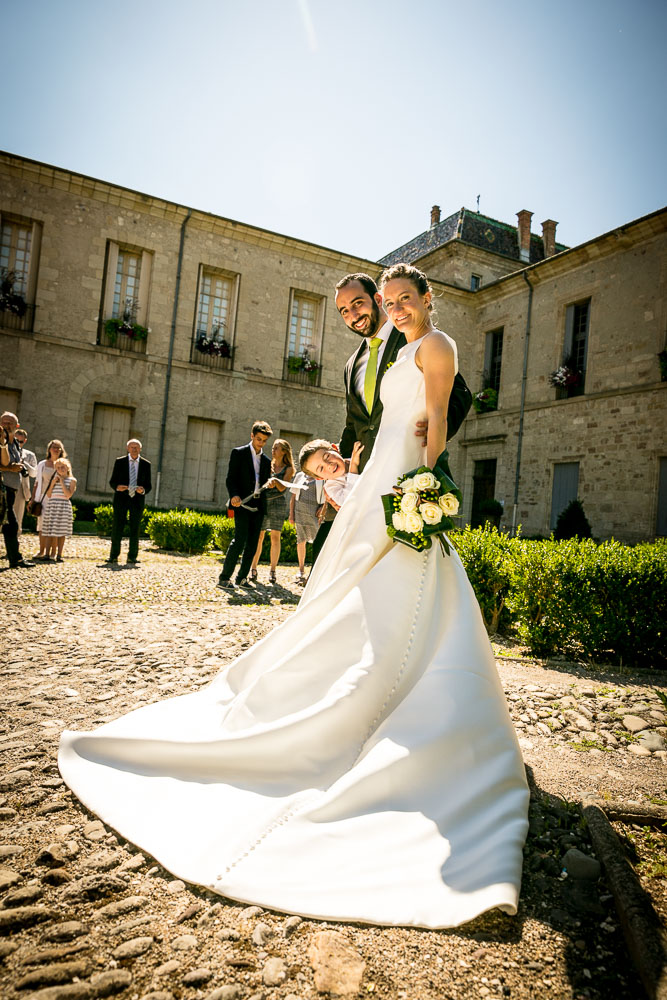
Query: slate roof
column 474, row 229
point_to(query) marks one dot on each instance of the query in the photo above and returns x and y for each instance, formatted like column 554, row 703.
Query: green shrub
column 182, row 530
column 572, row 522
column 104, row 521
column 607, row 602
column 224, row 533
column 487, row 557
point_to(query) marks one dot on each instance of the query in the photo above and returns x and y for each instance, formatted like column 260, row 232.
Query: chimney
column 524, row 217
column 435, row 216
column 549, row 237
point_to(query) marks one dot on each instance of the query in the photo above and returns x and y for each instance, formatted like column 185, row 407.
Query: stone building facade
column 126, row 315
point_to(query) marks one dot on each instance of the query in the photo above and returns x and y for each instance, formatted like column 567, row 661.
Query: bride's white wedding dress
column 358, row 763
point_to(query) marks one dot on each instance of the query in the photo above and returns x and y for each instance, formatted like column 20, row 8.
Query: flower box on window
column 486, row 400
column 302, row 368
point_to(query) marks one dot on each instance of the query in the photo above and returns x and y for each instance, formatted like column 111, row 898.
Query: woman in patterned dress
column 57, row 516
column 282, row 467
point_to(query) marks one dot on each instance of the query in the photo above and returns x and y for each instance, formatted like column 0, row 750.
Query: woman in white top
column 45, row 473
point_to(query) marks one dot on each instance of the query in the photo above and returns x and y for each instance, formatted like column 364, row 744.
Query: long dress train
column 359, row 762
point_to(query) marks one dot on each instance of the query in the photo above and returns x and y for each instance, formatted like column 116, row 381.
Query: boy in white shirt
column 322, row 460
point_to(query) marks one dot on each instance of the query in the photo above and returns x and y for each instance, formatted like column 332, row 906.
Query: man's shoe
column 245, row 582
column 111, row 562
column 22, row 564
column 225, row 584
column 132, row 562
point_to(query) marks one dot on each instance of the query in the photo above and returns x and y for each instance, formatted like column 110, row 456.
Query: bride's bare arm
column 435, row 357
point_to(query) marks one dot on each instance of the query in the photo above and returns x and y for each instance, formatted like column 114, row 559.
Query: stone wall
column 616, row 430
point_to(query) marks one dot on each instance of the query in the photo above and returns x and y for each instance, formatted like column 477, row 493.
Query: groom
column 360, row 305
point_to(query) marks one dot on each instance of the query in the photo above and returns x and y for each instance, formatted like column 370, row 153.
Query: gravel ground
column 84, row 915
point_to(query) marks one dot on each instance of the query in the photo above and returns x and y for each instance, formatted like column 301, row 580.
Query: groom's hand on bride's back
column 421, row 430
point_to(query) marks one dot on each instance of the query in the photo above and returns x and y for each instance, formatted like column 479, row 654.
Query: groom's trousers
column 247, row 526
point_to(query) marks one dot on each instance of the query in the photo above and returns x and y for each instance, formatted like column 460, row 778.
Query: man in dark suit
column 248, row 470
column 131, row 482
column 360, row 305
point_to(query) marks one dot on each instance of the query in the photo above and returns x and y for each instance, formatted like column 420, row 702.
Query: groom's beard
column 373, row 325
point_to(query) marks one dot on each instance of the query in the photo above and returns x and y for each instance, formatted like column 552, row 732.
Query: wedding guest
column 45, row 473
column 248, row 470
column 303, row 515
column 277, row 504
column 131, row 482
column 322, row 460
column 11, row 477
column 57, row 515
column 29, row 460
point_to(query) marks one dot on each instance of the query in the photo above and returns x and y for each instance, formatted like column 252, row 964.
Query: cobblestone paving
column 83, row 914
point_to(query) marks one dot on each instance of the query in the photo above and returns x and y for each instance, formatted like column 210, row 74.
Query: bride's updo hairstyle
column 413, row 274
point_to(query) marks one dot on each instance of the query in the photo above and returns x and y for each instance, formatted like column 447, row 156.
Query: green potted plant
column 486, row 400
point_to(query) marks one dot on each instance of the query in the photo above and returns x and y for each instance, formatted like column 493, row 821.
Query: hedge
column 182, row 530
column 225, row 532
column 606, row 602
column 104, row 521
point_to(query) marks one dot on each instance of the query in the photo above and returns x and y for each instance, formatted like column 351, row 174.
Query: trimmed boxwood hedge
column 605, row 602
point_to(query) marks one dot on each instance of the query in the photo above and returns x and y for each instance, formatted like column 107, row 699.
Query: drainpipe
column 523, row 403
column 170, row 356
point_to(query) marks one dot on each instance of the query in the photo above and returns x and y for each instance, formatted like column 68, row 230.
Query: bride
column 359, row 762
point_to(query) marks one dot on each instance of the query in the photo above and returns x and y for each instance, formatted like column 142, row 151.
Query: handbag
column 35, row 506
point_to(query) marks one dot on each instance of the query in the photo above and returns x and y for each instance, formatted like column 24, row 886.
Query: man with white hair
column 131, row 482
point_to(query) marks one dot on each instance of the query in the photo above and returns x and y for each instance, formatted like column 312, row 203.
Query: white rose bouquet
column 422, row 506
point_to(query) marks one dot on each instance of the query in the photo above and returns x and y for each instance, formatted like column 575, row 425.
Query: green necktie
column 371, row 375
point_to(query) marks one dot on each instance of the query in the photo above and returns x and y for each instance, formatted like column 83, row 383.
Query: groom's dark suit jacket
column 360, row 425
column 241, row 475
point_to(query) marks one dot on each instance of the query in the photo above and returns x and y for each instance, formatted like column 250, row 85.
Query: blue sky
column 343, row 121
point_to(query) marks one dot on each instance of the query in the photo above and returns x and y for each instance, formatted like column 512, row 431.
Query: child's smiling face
column 325, row 463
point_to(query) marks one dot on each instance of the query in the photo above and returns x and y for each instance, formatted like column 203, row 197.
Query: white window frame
column 294, row 344
column 144, row 282
column 28, row 288
column 229, row 332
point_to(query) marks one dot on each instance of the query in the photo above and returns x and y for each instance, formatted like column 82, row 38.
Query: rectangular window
column 575, row 348
column 483, row 493
column 565, row 488
column 124, row 314
column 201, row 460
column 213, row 342
column 304, row 338
column 475, row 282
column 111, row 432
column 19, row 254
column 493, row 356
column 303, row 326
column 126, row 286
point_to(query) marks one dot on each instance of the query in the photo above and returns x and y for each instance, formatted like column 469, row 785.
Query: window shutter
column 144, row 287
column 488, row 349
column 569, row 332
column 110, row 280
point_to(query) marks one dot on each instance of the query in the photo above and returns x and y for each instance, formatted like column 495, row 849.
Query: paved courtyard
column 83, row 914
